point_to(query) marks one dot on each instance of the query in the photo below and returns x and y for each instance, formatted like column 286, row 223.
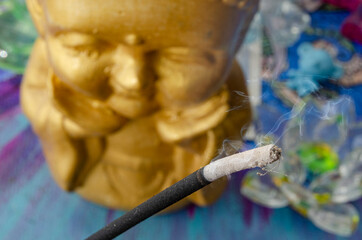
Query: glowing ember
column 318, row 157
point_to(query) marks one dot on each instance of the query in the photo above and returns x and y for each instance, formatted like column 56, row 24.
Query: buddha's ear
column 37, row 13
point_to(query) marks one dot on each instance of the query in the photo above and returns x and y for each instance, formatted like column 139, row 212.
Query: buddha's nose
column 131, row 71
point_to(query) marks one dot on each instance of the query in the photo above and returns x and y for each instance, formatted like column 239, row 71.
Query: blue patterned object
column 325, row 26
column 315, row 67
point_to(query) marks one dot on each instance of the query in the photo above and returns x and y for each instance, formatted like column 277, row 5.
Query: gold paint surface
column 128, row 97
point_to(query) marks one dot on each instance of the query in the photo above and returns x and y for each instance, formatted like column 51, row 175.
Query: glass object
column 341, row 219
column 321, row 120
column 299, row 198
column 277, row 25
column 262, row 190
column 321, row 166
column 309, row 5
column 284, row 20
column 345, row 184
column 318, row 157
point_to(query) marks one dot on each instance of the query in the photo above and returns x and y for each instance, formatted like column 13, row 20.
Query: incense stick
column 258, row 157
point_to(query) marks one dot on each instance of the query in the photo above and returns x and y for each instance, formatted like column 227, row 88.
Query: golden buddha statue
column 128, row 97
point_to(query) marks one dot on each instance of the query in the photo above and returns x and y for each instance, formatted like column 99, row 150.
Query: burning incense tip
column 275, row 154
column 257, row 157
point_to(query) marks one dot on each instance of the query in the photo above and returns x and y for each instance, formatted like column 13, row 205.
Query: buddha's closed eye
column 79, row 43
column 188, row 56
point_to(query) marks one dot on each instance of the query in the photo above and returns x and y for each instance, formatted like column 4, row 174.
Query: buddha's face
column 136, row 55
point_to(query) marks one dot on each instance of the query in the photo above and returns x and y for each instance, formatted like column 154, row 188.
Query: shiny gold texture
column 128, row 97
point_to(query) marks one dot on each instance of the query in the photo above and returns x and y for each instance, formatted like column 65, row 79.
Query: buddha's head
column 141, row 55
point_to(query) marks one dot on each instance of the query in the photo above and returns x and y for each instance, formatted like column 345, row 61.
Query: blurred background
column 302, row 60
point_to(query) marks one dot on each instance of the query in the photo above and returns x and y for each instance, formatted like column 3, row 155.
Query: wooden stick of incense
column 258, row 157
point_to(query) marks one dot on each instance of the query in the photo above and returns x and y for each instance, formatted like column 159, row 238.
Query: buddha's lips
column 131, row 107
column 144, row 93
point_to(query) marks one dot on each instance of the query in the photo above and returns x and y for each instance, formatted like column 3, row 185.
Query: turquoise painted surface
column 33, row 207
